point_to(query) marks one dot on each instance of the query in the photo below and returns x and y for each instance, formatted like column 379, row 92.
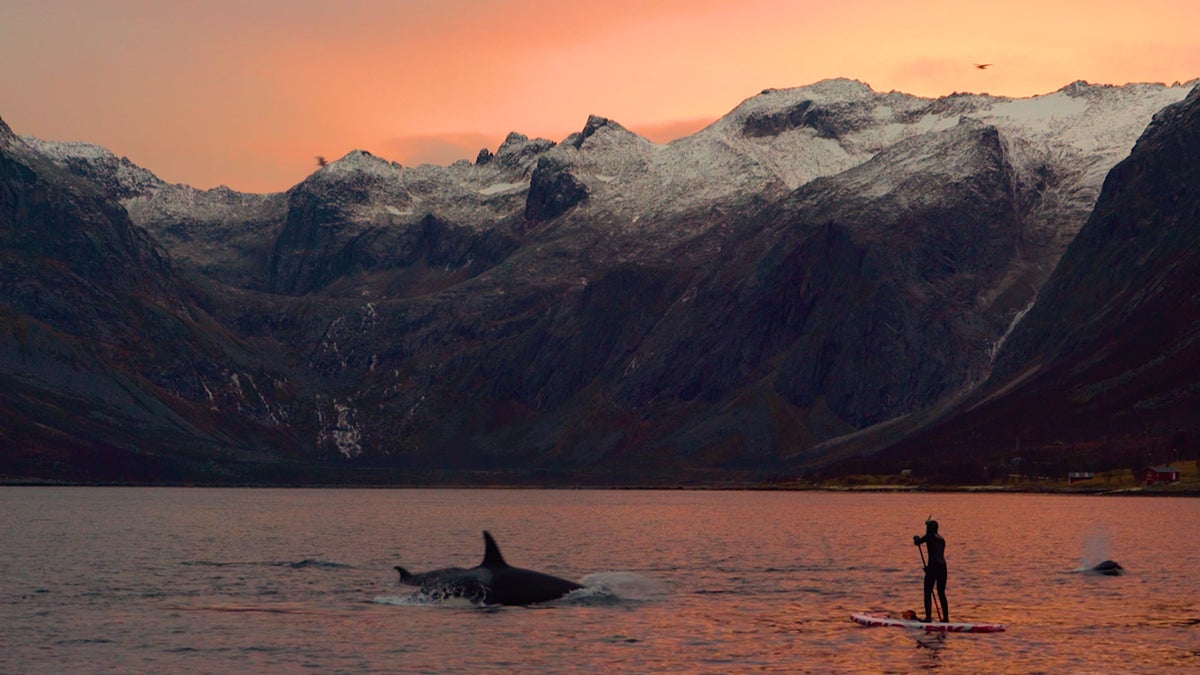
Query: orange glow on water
column 246, row 94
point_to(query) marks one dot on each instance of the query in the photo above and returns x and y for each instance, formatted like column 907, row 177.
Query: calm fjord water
column 206, row 580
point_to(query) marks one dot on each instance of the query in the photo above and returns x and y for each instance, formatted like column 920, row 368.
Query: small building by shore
column 1159, row 475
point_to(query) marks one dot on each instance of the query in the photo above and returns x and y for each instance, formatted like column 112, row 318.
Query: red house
column 1159, row 475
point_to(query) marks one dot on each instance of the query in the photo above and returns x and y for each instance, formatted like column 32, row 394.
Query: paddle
column 924, row 567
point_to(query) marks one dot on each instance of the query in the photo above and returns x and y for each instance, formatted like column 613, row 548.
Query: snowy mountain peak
column 595, row 123
column 1080, row 88
column 834, row 89
column 518, row 150
column 826, row 91
column 359, row 161
column 603, row 135
column 119, row 176
column 72, row 149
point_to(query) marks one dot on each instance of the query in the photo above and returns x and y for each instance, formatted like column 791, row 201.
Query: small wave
column 590, row 596
column 319, row 564
column 421, row 599
column 302, row 564
column 399, row 600
column 239, row 609
column 624, row 585
column 587, row 596
column 798, row 569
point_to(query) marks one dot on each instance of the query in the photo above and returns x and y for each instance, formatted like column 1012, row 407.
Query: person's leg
column 941, row 589
column 928, row 596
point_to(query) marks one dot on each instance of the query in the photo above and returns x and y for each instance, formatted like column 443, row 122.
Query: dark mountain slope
column 856, row 299
column 1106, row 364
column 101, row 347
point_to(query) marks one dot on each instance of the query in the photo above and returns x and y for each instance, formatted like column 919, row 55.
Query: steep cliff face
column 1118, row 324
column 364, row 226
column 857, row 298
column 219, row 233
column 216, row 234
column 109, row 370
column 909, row 285
column 1129, row 275
column 1108, row 358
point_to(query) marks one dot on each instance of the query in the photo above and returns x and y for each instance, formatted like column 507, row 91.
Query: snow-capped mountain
column 819, row 260
column 1061, row 145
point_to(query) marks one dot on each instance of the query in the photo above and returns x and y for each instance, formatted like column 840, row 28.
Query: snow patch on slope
column 501, row 188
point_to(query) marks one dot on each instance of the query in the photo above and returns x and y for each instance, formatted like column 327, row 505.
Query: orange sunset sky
column 245, row 93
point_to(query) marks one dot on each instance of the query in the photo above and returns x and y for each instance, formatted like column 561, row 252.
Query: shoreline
column 716, row 486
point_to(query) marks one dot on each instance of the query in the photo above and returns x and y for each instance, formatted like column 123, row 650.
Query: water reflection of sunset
column 246, row 93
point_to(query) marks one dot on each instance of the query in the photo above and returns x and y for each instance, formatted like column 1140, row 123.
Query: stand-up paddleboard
column 931, row 627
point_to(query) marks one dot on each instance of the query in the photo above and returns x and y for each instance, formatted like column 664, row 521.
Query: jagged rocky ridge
column 817, row 261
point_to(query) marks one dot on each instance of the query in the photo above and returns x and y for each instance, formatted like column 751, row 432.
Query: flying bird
column 321, row 161
column 982, row 66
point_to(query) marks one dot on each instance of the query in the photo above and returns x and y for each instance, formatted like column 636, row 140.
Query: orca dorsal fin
column 491, row 553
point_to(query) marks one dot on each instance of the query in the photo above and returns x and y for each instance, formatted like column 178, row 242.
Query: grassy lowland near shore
column 1115, row 481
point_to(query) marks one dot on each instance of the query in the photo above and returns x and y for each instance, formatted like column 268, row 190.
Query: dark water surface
column 130, row 580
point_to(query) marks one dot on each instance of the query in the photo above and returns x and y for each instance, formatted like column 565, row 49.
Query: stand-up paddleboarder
column 935, row 569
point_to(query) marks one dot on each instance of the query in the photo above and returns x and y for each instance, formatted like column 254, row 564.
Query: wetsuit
column 935, row 572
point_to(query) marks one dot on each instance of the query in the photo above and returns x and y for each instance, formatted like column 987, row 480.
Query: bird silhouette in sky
column 982, row 66
column 321, row 161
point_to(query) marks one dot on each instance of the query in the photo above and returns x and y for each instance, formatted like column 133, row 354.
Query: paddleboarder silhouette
column 935, row 569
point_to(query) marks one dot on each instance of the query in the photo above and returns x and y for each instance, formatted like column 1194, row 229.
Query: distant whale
column 492, row 582
column 1108, row 567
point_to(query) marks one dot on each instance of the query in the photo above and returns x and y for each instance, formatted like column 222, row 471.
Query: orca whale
column 492, row 582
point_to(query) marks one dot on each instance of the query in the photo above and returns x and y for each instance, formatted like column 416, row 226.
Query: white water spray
column 1097, row 547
